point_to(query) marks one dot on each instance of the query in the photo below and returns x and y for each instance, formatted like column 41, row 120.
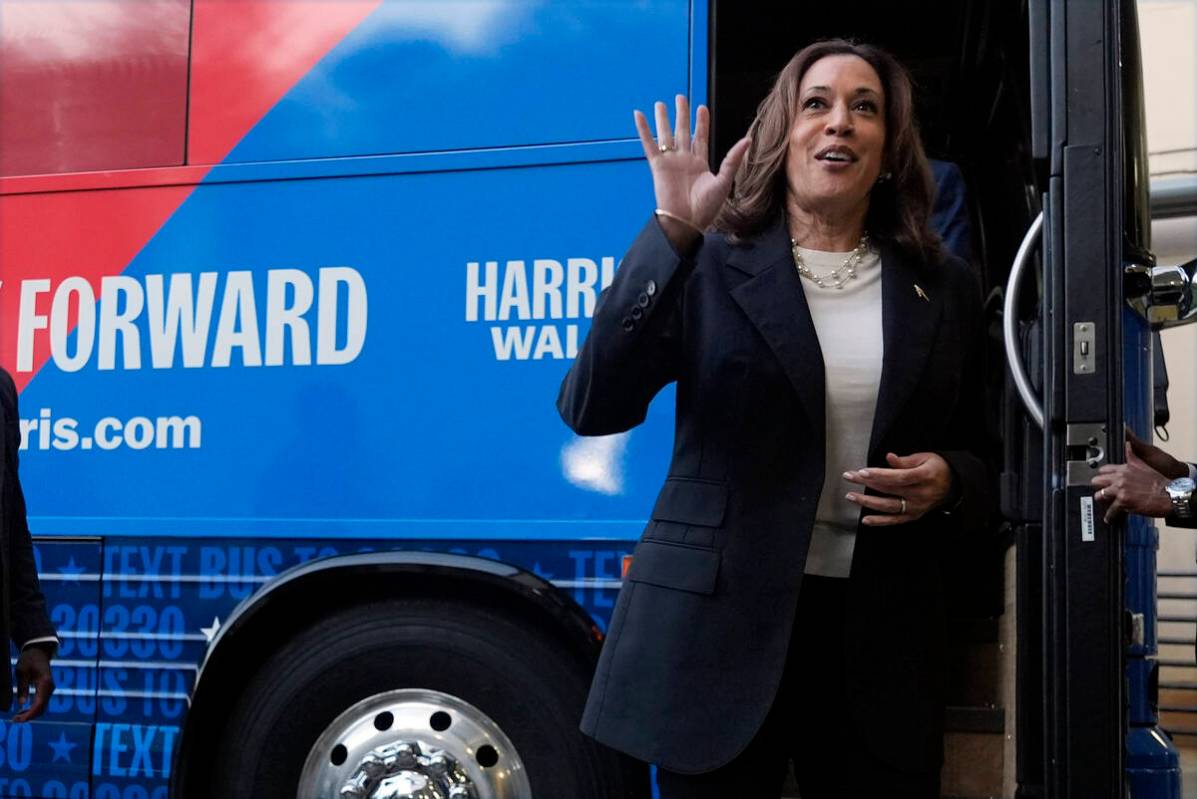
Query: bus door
column 1082, row 369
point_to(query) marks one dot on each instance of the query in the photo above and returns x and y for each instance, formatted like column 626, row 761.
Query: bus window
column 425, row 76
column 92, row 85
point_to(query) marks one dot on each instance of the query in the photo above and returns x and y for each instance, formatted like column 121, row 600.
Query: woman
column 786, row 600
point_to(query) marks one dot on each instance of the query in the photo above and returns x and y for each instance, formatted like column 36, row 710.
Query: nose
column 839, row 120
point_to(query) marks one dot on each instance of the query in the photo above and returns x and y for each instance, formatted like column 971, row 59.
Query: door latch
column 1085, row 451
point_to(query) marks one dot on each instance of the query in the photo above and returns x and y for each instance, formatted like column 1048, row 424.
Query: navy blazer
column 22, row 606
column 699, row 635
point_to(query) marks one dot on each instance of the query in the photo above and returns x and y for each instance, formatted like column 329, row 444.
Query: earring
column 884, row 176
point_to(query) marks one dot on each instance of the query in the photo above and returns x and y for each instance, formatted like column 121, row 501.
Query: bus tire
column 475, row 661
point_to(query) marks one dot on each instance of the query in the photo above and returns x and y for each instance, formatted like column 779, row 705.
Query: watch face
column 1182, row 485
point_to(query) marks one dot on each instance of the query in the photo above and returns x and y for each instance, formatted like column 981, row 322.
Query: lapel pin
column 919, row 291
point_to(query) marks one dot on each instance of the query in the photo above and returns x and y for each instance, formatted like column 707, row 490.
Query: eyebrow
column 861, row 90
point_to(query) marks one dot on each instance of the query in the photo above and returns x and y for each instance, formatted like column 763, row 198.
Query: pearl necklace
column 837, row 278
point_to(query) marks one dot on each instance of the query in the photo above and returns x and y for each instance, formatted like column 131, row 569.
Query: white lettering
column 511, row 339
column 113, row 321
column 548, row 342
column 281, row 317
column 85, row 327
column 180, row 314
column 30, row 321
column 331, row 278
column 238, row 325
column 487, row 292
column 547, row 277
column 515, row 292
column 579, row 287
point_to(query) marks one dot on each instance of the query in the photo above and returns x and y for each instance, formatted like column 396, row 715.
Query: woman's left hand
column 916, row 484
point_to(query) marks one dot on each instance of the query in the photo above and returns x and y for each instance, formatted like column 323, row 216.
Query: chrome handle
column 1010, row 322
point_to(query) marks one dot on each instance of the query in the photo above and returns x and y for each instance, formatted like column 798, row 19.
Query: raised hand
column 682, row 179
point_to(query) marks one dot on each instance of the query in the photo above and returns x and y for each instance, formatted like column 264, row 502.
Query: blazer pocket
column 689, row 500
column 667, row 565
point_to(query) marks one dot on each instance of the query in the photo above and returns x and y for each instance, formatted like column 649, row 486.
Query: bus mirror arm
column 1166, row 296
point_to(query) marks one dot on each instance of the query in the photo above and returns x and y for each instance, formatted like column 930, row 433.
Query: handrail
column 1010, row 323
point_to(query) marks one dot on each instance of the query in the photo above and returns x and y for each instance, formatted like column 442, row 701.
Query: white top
column 848, row 323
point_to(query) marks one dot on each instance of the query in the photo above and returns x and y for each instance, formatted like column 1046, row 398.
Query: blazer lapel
column 775, row 302
column 911, row 306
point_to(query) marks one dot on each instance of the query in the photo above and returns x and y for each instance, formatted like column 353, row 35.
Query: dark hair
column 899, row 208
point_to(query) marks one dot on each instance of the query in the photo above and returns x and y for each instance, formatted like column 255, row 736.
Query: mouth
column 837, row 154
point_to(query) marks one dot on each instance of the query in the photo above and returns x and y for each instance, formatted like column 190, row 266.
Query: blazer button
column 650, row 288
column 628, row 324
column 643, row 299
column 637, row 312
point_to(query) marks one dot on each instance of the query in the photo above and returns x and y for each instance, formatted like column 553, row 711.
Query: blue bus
column 288, row 287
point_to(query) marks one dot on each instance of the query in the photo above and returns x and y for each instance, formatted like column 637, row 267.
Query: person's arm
column 1137, row 487
column 956, row 480
column 631, row 351
column 633, row 346
column 29, row 624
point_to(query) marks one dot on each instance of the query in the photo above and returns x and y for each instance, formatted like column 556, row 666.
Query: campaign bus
column 288, row 287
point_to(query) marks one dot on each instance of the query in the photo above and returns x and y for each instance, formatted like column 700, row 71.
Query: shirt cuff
column 1192, row 471
column 49, row 639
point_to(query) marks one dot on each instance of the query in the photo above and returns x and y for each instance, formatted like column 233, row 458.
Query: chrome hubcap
column 413, row 744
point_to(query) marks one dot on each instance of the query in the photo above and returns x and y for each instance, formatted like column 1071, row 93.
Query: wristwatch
column 1180, row 491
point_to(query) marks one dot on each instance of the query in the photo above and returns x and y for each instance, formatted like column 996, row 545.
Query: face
column 837, row 139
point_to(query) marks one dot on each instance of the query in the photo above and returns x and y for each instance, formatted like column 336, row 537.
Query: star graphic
column 71, row 571
column 62, row 748
column 210, row 632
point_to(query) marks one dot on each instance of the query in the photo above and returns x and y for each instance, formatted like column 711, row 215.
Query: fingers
column 1114, row 511
column 22, row 685
column 681, row 134
column 646, row 135
column 906, row 461
column 882, row 479
column 888, row 520
column 731, row 162
column 891, row 510
column 41, row 700
column 891, row 505
column 702, row 132
column 663, row 135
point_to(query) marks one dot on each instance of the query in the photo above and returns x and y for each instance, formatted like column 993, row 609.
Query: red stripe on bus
column 246, row 54
column 62, row 234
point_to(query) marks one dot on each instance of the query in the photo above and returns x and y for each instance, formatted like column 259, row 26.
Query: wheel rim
column 413, row 743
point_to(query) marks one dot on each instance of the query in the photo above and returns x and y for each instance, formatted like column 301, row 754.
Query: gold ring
column 663, row 147
column 1101, row 493
column 903, row 500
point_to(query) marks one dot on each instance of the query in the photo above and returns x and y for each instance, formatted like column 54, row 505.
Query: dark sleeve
column 27, row 604
column 632, row 349
column 949, row 214
column 973, row 458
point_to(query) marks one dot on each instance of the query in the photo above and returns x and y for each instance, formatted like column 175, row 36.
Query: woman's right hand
column 682, row 178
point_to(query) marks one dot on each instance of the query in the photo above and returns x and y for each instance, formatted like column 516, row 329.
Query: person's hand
column 1156, row 458
column 916, row 484
column 33, row 668
column 682, row 178
column 1132, row 487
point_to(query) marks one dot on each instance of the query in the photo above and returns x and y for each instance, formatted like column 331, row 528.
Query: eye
column 866, row 105
column 814, row 102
